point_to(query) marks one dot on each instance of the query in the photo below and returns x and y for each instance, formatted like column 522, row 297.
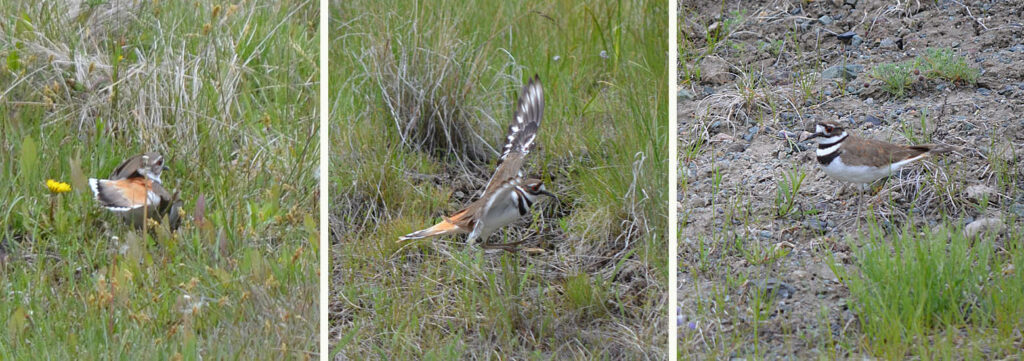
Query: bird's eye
column 828, row 128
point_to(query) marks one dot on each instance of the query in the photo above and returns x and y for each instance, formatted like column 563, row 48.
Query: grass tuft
column 913, row 287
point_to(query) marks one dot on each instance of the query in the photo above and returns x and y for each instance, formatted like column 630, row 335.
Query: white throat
column 149, row 174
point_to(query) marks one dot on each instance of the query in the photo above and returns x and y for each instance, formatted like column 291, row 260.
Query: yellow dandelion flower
column 57, row 187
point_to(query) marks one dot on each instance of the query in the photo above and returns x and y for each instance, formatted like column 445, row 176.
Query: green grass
column 787, row 190
column 228, row 95
column 896, row 77
column 421, row 98
column 942, row 64
column 933, row 292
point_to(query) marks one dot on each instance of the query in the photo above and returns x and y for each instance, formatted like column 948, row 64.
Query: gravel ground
column 752, row 91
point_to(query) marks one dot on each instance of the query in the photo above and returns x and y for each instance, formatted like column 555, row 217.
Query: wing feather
column 522, row 134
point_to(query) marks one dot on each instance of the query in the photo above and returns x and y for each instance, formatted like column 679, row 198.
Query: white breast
column 856, row 173
column 499, row 216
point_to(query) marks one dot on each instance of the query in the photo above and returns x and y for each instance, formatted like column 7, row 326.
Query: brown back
column 870, row 152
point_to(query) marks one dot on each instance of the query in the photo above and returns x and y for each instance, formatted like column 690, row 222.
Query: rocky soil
column 770, row 69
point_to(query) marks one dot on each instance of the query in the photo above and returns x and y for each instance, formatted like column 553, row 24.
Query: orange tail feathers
column 445, row 227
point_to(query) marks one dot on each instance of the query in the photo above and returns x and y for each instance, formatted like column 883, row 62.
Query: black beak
column 165, row 168
column 549, row 194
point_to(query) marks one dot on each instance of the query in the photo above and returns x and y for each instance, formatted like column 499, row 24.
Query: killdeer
column 134, row 188
column 860, row 160
column 509, row 194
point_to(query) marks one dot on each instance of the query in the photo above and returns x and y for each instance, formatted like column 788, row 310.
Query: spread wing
column 522, row 134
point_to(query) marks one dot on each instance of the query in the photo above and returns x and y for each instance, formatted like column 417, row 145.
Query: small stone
column 816, row 224
column 846, row 37
column 1007, row 90
column 1017, row 48
column 715, row 70
column 777, row 288
column 869, row 101
column 888, row 43
column 873, row 120
column 684, row 94
column 825, row 20
column 984, row 225
column 787, row 135
column 766, row 234
column 940, row 87
column 721, row 138
column 800, row 274
column 795, row 11
column 979, row 192
column 984, row 91
column 828, row 93
column 823, row 271
column 848, row 72
column 788, row 116
column 857, row 40
column 708, row 90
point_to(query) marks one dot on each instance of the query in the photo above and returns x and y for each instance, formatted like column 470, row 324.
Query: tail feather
column 445, row 227
column 940, row 149
column 932, row 148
